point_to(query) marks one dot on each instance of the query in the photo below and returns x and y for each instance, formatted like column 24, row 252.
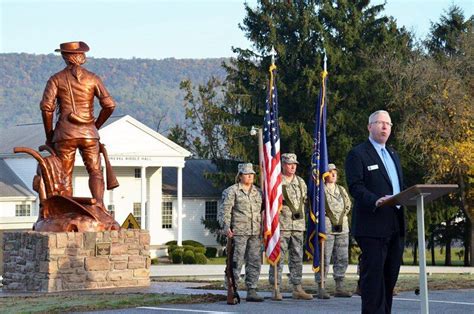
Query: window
column 22, row 210
column 138, row 173
column 137, row 212
column 211, row 211
column 167, row 215
column 111, row 209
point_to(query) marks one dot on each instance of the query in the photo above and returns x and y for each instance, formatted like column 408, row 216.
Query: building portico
column 137, row 154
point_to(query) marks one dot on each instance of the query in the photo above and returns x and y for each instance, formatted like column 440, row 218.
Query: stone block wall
column 49, row 261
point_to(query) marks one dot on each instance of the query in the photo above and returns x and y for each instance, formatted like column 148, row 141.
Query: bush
column 188, row 245
column 186, row 242
column 188, row 257
column 193, row 243
column 177, row 256
column 171, row 248
column 200, row 258
column 188, row 248
column 211, row 252
column 154, row 261
column 200, row 250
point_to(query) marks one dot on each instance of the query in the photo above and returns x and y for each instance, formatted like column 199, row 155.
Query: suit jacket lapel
column 376, row 158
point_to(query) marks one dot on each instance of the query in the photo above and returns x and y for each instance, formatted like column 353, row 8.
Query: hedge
column 177, row 256
column 200, row 258
column 189, row 258
column 186, row 242
column 211, row 252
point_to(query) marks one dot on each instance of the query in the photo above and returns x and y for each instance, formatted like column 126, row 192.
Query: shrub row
column 194, row 249
column 211, row 252
column 186, row 242
column 188, row 257
column 192, row 252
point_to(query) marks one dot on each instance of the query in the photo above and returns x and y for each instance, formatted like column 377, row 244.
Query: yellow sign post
column 131, row 222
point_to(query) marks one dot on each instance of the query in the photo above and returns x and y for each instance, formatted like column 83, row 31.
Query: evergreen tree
column 444, row 37
column 350, row 32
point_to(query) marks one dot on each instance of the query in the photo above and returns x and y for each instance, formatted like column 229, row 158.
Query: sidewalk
column 216, row 272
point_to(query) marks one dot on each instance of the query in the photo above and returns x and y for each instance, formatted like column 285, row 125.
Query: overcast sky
column 160, row 29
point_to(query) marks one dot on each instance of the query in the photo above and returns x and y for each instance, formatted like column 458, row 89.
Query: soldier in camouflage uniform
column 240, row 217
column 338, row 206
column 292, row 227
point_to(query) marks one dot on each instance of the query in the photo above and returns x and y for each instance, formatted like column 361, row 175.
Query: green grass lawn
column 407, row 258
column 439, row 257
column 216, row 261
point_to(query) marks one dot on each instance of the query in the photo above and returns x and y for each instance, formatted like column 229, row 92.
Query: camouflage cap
column 289, row 158
column 332, row 167
column 246, row 168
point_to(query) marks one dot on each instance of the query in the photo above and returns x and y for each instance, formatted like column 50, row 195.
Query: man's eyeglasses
column 380, row 123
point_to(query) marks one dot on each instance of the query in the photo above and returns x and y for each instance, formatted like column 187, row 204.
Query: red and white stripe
column 273, row 200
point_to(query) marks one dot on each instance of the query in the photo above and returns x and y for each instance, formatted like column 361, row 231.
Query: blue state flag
column 319, row 169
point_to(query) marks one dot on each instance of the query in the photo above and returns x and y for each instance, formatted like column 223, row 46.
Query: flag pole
column 260, row 156
column 260, row 165
column 322, row 269
column 275, row 267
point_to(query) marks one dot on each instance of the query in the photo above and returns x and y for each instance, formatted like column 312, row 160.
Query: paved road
column 445, row 302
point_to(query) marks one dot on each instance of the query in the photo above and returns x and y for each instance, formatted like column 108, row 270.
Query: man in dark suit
column 374, row 174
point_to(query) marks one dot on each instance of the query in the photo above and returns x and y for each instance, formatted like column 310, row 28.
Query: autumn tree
column 433, row 93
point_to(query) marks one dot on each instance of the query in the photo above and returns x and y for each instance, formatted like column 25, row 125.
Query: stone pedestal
column 48, row 261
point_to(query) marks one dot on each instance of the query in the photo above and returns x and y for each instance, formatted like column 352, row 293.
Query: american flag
column 272, row 172
column 319, row 169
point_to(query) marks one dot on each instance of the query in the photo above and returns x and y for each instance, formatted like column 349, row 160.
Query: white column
column 144, row 222
column 180, row 206
column 154, row 192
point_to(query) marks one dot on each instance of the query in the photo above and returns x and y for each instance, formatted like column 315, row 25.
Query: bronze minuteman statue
column 70, row 94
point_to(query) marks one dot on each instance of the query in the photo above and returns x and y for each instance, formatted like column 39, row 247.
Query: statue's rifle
column 112, row 181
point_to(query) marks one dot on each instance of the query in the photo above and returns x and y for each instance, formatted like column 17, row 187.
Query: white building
column 167, row 198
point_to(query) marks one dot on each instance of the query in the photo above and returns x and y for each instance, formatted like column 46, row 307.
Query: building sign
column 102, row 248
column 132, row 158
column 131, row 222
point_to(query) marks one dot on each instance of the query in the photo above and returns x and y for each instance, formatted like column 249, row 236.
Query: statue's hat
column 73, row 47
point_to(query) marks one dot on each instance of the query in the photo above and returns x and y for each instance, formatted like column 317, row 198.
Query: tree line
column 144, row 88
column 426, row 85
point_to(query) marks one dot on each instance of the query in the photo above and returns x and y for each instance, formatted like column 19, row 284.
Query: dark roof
column 28, row 135
column 194, row 182
column 10, row 184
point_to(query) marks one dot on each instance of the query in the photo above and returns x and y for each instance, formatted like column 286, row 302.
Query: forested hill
column 146, row 89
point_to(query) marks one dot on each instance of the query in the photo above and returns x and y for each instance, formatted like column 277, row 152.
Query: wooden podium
column 417, row 195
